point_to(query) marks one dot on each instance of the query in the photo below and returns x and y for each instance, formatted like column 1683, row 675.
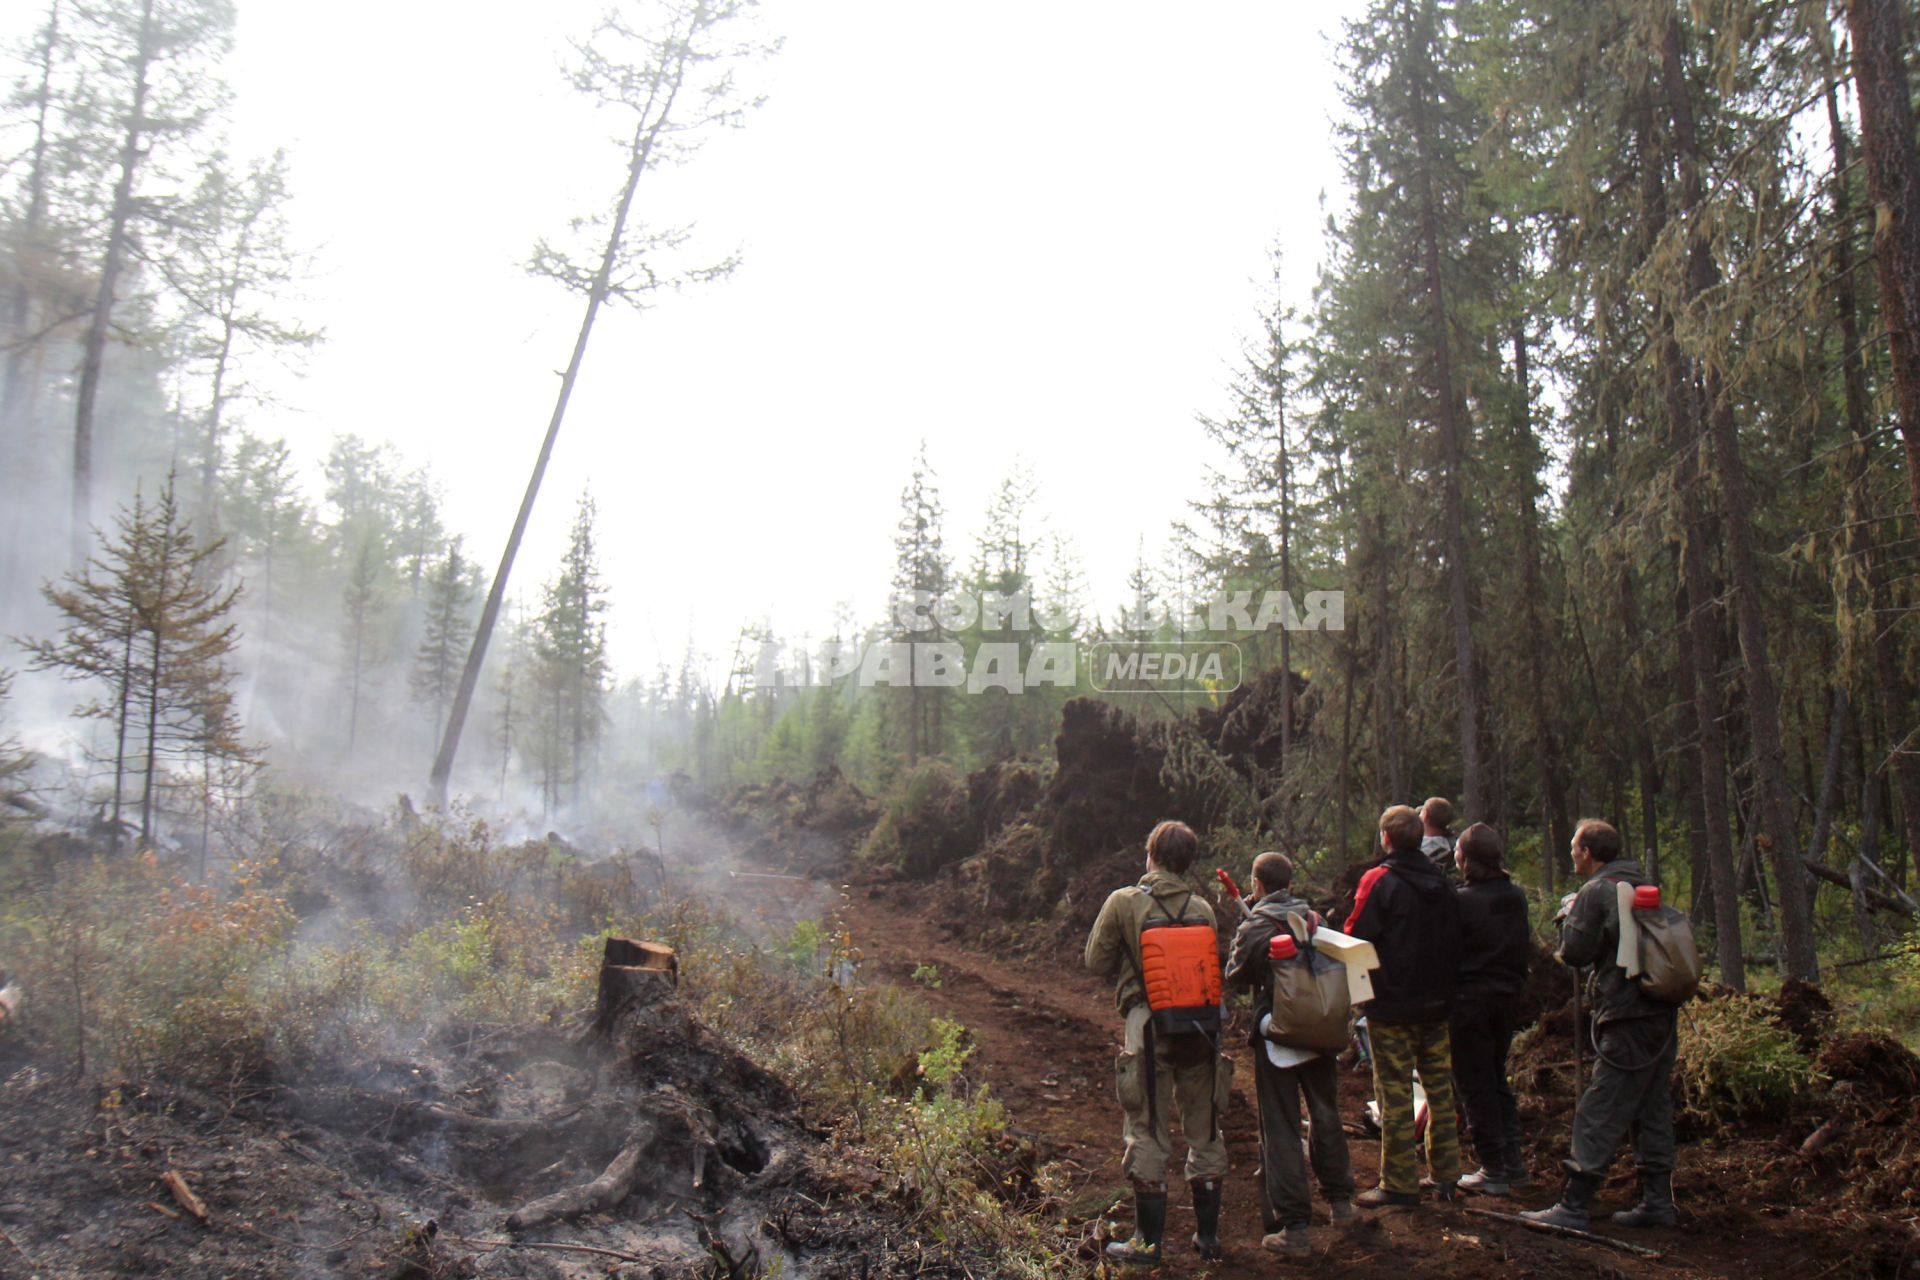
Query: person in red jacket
column 1406, row 908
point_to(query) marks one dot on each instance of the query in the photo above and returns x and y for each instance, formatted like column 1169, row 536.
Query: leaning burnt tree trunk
column 496, row 594
column 1893, row 184
column 674, row 59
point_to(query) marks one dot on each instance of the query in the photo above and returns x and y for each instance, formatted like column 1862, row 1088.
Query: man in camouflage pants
column 1408, row 911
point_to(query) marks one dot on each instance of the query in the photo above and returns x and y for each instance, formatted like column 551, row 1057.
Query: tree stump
column 633, row 973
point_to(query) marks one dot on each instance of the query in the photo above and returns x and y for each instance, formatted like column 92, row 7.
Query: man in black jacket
column 1495, row 944
column 1282, row 1076
column 1408, row 911
column 1633, row 1048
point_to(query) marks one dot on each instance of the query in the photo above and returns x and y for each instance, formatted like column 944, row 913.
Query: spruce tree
column 570, row 653
column 443, row 640
column 922, row 577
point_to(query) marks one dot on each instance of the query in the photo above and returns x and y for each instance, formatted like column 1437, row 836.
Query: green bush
column 1735, row 1063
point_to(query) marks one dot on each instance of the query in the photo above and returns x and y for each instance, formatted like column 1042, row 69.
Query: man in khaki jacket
column 1156, row 1072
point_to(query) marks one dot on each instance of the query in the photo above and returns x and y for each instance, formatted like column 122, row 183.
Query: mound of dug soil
column 808, row 829
column 1846, row 1156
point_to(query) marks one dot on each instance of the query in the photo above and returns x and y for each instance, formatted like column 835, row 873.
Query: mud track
column 1045, row 1034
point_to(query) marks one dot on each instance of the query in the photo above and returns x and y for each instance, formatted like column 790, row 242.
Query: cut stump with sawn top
column 631, row 973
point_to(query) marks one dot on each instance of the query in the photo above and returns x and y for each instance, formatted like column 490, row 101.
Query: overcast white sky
column 1022, row 230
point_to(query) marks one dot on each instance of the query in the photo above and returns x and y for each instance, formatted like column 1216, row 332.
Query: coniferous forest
column 1569, row 470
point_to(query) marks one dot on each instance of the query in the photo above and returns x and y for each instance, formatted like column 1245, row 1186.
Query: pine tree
column 151, row 56
column 229, row 268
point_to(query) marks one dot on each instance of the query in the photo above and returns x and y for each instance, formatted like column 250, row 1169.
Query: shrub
column 136, row 969
column 1735, row 1063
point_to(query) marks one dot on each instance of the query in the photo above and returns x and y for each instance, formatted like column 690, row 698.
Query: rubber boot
column 1206, row 1213
column 1149, row 1224
column 1656, row 1203
column 1574, row 1208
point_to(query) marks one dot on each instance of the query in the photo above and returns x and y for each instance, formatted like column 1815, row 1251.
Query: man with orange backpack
column 1157, row 941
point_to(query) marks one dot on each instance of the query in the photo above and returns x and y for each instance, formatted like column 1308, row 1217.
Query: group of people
column 1453, row 938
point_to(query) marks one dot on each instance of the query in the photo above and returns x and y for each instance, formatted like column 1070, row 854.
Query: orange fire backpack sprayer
column 1179, row 968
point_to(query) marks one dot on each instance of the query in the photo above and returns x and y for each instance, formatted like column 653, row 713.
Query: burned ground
column 464, row 1159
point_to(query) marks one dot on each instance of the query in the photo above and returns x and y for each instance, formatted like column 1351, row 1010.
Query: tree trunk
column 1449, row 409
column 1553, row 786
column 14, row 396
column 93, row 355
column 1798, row 955
column 121, row 724
column 1829, row 791
column 1893, row 184
column 640, row 152
column 1704, row 661
column 1881, row 621
column 1700, row 639
column 1699, row 876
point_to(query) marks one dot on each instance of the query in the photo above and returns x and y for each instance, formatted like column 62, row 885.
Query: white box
column 1355, row 953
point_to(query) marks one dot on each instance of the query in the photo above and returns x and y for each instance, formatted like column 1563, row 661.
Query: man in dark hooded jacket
column 1282, row 1076
column 1408, row 911
column 1494, row 948
column 1633, row 1047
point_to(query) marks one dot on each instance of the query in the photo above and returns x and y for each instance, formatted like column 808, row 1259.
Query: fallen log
column 28, row 805
column 615, row 1183
column 1875, row 897
column 184, row 1197
column 1572, row 1233
column 1882, row 958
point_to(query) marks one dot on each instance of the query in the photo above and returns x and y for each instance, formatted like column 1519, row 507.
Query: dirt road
column 1045, row 1035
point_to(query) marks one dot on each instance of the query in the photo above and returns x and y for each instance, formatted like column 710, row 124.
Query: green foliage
column 927, row 975
column 1734, row 1062
column 940, row 1065
column 801, row 948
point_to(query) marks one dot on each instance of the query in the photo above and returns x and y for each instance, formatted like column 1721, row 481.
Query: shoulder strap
column 1172, row 918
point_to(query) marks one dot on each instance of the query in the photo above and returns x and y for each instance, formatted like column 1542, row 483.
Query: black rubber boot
column 1575, row 1206
column 1149, row 1224
column 1206, row 1213
column 1656, row 1203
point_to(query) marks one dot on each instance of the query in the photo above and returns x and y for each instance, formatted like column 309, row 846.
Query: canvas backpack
column 1657, row 949
column 1180, row 968
column 1310, row 1002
